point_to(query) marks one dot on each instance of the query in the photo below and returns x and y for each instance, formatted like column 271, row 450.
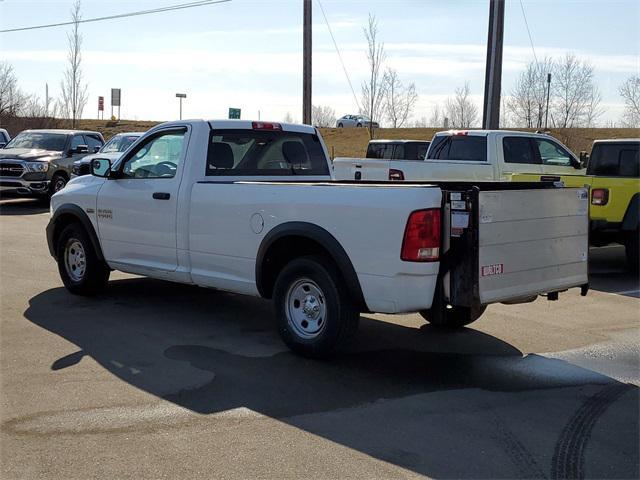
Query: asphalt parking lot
column 158, row 380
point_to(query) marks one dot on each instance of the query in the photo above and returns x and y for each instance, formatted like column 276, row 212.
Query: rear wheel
column 81, row 271
column 443, row 315
column 631, row 248
column 315, row 314
column 340, row 125
column 359, row 125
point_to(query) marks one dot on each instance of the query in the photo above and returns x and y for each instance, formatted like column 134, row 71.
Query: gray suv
column 38, row 163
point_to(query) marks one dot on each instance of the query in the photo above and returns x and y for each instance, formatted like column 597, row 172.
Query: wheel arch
column 294, row 239
column 67, row 214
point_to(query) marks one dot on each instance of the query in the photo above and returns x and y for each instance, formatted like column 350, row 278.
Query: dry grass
column 352, row 142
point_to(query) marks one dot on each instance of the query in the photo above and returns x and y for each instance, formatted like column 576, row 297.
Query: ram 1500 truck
column 613, row 175
column 249, row 207
column 38, row 163
column 474, row 155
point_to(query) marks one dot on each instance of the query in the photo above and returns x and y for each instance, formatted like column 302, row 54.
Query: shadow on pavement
column 462, row 405
column 12, row 205
column 609, row 272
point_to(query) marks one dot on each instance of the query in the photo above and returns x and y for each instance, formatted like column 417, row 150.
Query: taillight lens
column 396, row 174
column 421, row 241
column 599, row 196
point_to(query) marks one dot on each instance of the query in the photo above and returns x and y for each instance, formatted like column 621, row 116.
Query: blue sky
column 247, row 53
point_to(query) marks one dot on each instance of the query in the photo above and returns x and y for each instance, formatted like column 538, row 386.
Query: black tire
column 340, row 125
column 445, row 316
column 359, row 125
column 631, row 247
column 58, row 182
column 95, row 275
column 340, row 317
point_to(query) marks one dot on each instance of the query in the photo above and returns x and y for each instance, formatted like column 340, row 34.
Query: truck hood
column 29, row 154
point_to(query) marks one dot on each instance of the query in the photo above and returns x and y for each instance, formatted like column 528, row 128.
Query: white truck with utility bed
column 473, row 155
column 249, row 207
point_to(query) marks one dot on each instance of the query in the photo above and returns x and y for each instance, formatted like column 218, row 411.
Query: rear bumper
column 24, row 187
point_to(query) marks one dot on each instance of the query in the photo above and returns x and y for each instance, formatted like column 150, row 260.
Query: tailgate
column 360, row 169
column 510, row 244
column 532, row 242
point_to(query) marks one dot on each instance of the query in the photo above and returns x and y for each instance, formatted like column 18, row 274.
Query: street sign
column 115, row 97
column 234, row 113
column 181, row 95
column 101, row 104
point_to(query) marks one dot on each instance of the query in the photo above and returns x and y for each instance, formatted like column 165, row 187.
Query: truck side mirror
column 101, row 167
column 584, row 159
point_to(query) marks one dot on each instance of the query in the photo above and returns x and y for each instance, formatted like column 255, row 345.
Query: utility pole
column 493, row 74
column 546, row 114
column 180, row 96
column 306, row 64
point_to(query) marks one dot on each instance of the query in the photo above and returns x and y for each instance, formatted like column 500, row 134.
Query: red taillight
column 266, row 126
column 396, row 174
column 459, row 133
column 599, row 196
column 421, row 241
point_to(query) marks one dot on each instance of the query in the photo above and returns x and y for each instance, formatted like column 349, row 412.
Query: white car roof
column 618, row 140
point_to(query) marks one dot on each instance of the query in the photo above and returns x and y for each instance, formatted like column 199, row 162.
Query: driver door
column 137, row 211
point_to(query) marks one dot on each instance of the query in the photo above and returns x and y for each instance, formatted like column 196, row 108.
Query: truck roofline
column 227, row 124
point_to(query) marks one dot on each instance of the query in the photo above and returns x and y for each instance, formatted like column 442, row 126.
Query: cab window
column 553, row 154
column 519, row 150
column 158, row 157
column 614, row 160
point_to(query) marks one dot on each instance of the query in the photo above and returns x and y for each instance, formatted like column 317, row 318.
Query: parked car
column 4, row 137
column 474, row 155
column 249, row 207
column 350, row 121
column 39, row 162
column 397, row 149
column 112, row 150
column 613, row 174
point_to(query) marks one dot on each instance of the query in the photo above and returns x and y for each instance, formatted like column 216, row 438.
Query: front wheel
column 359, row 125
column 340, row 125
column 315, row 314
column 58, row 182
column 81, row 271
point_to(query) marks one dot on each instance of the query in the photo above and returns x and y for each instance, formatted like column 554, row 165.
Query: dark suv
column 39, row 162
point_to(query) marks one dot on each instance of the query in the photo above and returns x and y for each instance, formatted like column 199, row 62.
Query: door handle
column 161, row 195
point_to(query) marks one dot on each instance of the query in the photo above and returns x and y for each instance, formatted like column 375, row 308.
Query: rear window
column 459, row 147
column 259, row 153
column 615, row 160
column 380, row 150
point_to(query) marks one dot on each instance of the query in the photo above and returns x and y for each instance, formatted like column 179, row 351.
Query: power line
column 335, row 44
column 528, row 32
column 168, row 8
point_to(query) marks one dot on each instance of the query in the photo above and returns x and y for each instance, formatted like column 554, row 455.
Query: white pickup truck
column 474, row 155
column 249, row 207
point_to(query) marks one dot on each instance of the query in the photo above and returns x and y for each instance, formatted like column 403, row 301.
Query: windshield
column 119, row 143
column 38, row 140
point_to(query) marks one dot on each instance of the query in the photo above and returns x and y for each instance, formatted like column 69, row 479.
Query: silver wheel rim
column 306, row 308
column 75, row 261
column 59, row 185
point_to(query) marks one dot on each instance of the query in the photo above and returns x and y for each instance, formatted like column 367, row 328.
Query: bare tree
column 73, row 91
column 11, row 98
column 421, row 122
column 399, row 100
column 373, row 88
column 528, row 100
column 630, row 93
column 461, row 110
column 288, row 118
column 576, row 97
column 323, row 116
column 436, row 119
